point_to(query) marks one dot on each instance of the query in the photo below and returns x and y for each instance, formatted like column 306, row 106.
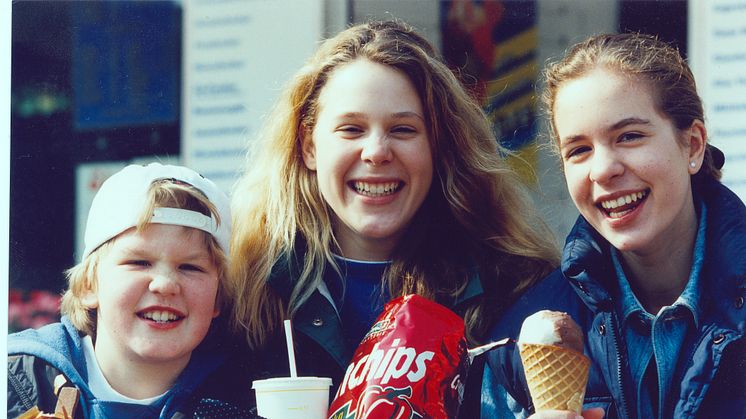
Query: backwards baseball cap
column 119, row 203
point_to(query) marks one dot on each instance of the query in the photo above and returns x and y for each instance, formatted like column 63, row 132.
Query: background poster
column 495, row 44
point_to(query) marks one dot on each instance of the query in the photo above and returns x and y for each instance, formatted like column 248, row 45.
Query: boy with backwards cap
column 138, row 305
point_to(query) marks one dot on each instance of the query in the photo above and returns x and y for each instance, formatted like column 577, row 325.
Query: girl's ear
column 218, row 304
column 308, row 148
column 697, row 142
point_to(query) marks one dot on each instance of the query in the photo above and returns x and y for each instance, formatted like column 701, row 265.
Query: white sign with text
column 717, row 52
column 237, row 55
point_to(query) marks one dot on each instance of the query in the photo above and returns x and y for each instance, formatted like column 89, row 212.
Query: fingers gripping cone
column 556, row 376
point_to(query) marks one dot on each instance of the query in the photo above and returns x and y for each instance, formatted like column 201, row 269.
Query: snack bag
column 411, row 364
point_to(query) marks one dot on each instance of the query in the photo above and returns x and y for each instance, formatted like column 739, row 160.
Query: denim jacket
column 35, row 357
column 710, row 377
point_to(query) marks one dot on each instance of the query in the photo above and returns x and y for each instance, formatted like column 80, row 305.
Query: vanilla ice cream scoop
column 552, row 328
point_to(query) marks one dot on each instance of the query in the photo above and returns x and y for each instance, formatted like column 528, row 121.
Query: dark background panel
column 134, row 72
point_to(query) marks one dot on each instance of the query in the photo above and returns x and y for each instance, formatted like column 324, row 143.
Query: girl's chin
column 625, row 243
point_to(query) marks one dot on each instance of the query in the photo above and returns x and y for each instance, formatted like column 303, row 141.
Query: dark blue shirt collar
column 335, row 282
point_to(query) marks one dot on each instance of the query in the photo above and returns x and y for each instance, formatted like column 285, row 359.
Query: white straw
column 474, row 352
column 291, row 351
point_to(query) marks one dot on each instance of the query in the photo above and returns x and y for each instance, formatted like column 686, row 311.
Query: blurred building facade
column 98, row 84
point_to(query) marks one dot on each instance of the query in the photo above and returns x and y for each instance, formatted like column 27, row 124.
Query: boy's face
column 156, row 297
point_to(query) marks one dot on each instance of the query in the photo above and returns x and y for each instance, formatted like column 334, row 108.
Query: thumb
column 594, row 413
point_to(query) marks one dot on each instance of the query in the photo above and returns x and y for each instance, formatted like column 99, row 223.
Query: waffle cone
column 556, row 376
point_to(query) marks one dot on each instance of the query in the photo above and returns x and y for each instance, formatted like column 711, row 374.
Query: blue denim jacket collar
column 692, row 294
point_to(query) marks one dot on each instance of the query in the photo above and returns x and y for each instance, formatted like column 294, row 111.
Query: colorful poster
column 494, row 43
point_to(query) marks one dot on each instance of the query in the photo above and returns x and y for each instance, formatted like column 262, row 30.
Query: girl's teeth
column 622, row 200
column 619, row 214
column 376, row 189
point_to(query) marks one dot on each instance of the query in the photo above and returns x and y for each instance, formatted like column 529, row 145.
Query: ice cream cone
column 556, row 376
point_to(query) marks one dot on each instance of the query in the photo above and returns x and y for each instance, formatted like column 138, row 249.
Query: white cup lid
column 293, row 383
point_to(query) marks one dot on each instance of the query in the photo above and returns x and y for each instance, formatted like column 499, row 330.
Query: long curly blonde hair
column 474, row 219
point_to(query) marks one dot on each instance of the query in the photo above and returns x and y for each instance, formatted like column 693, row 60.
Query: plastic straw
column 479, row 350
column 291, row 351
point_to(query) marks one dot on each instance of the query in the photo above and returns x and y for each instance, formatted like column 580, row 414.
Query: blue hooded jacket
column 60, row 346
column 710, row 378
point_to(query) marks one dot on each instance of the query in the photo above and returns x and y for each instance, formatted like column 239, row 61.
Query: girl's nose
column 605, row 166
column 376, row 149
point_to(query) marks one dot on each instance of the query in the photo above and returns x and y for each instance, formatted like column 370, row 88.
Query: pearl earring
column 692, row 165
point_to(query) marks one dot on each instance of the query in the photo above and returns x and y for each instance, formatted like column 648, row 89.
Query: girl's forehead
column 364, row 85
column 598, row 101
column 603, row 84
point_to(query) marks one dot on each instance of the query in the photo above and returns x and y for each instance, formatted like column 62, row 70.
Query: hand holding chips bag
column 411, row 364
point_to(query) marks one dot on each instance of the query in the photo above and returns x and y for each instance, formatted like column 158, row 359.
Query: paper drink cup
column 292, row 397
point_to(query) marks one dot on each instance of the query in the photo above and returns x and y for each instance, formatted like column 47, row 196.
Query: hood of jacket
column 61, row 346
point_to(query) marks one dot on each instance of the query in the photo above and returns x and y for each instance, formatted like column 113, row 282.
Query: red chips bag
column 411, row 364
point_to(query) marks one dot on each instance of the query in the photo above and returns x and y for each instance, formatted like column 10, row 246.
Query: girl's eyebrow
column 403, row 114
column 352, row 115
column 570, row 139
column 407, row 114
column 629, row 121
column 613, row 127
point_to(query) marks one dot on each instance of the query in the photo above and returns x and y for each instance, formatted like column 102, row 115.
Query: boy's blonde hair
column 163, row 193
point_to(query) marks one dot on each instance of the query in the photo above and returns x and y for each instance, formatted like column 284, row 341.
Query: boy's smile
column 163, row 317
column 155, row 298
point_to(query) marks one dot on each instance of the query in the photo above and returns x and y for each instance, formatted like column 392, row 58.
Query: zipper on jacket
column 622, row 399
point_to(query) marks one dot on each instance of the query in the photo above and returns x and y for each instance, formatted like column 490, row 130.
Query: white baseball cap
column 120, row 201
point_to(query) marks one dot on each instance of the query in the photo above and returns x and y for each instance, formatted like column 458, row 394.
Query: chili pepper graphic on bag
column 393, row 403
